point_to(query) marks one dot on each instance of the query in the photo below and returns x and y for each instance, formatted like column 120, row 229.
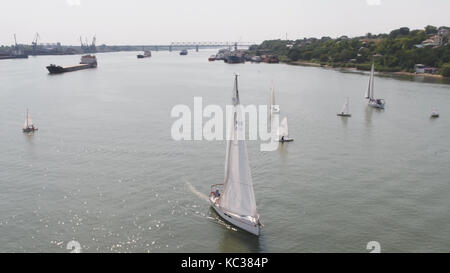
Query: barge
column 146, row 54
column 87, row 61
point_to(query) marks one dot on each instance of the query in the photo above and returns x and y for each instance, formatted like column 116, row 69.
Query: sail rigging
column 283, row 130
column 237, row 196
column 369, row 92
column 28, row 122
column 346, row 107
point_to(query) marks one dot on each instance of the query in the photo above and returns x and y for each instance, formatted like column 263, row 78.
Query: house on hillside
column 443, row 32
column 438, row 39
column 430, row 42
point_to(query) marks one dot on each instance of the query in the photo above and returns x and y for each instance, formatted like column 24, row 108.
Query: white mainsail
column 238, row 196
column 283, row 128
column 346, row 107
column 369, row 92
column 28, row 122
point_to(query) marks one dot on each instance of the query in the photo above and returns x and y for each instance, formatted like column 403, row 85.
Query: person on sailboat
column 217, row 193
column 282, row 138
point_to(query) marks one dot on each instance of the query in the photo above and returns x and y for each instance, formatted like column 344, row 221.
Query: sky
column 138, row 22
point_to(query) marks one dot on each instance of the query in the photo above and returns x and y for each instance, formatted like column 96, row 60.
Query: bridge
column 198, row 45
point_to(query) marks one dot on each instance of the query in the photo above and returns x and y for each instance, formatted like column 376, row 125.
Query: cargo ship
column 16, row 54
column 87, row 61
column 19, row 56
column 146, row 54
column 234, row 59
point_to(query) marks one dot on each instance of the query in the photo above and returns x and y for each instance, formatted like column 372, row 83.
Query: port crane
column 94, row 39
column 86, row 47
column 15, row 42
column 16, row 46
column 35, row 41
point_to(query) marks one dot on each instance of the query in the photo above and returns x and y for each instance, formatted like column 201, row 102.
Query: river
column 104, row 171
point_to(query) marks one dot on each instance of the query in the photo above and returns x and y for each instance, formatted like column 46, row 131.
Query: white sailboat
column 345, row 112
column 234, row 200
column 283, row 131
column 434, row 113
column 28, row 126
column 377, row 103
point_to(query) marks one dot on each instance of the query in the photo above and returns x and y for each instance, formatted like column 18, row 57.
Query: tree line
column 399, row 50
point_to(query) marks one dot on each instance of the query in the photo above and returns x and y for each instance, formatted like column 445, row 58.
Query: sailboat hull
column 376, row 105
column 236, row 221
column 344, row 115
column 29, row 130
column 286, row 140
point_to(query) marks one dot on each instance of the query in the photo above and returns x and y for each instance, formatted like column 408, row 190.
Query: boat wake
column 196, row 192
column 212, row 215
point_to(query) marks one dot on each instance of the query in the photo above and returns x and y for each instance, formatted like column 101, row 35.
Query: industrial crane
column 15, row 42
column 85, row 46
column 35, row 41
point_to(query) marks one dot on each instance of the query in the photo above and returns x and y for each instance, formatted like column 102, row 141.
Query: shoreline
column 354, row 69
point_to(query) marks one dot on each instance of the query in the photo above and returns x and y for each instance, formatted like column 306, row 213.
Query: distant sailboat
column 434, row 113
column 234, row 200
column 28, row 126
column 377, row 103
column 345, row 109
column 283, row 131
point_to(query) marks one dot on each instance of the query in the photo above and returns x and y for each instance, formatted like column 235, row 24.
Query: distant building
column 444, row 32
column 436, row 40
column 419, row 68
column 430, row 70
column 429, row 42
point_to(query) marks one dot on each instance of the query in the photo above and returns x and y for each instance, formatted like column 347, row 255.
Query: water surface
column 103, row 169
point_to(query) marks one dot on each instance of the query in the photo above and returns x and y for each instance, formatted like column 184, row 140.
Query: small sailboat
column 283, row 132
column 234, row 200
column 345, row 109
column 28, row 126
column 434, row 113
column 377, row 103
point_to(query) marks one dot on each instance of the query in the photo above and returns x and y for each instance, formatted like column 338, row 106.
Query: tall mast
column 236, row 90
column 27, row 117
column 373, row 79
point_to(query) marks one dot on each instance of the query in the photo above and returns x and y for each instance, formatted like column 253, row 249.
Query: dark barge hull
column 7, row 57
column 53, row 69
column 234, row 60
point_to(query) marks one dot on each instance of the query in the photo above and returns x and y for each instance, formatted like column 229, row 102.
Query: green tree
column 445, row 70
column 430, row 29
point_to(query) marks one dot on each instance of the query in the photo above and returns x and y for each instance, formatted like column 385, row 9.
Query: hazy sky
column 164, row 21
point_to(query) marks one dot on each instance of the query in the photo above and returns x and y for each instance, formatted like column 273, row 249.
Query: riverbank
column 354, row 69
